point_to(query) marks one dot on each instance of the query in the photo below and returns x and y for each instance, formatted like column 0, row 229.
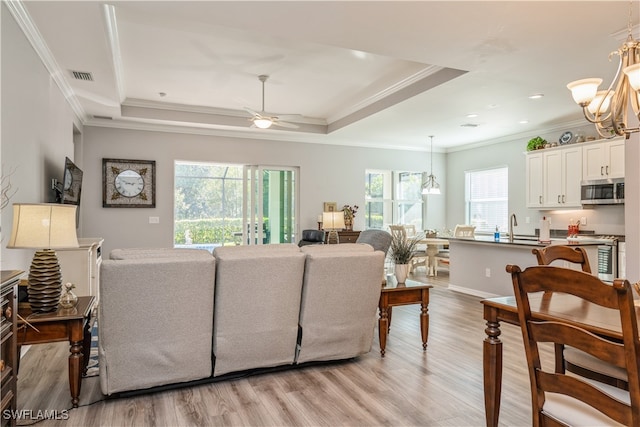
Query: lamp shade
column 43, row 226
column 583, row 91
column 333, row 220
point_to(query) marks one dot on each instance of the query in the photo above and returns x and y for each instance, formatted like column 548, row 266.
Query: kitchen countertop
column 529, row 241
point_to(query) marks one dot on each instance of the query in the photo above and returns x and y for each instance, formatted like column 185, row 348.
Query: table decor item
column 401, row 251
column 349, row 215
column 68, row 299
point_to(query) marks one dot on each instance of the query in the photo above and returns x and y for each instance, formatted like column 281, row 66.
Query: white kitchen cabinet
column 81, row 266
column 535, row 177
column 553, row 178
column 562, row 176
column 603, row 159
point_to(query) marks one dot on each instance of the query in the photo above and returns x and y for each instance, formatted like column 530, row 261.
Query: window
column 487, row 199
column 215, row 204
column 393, row 198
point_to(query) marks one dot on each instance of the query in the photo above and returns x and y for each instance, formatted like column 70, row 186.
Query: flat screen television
column 69, row 192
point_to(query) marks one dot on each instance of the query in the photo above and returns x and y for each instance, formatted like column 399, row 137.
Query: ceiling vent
column 82, row 75
column 469, row 125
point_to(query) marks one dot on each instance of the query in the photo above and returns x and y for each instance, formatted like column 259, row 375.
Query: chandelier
column 431, row 186
column 608, row 109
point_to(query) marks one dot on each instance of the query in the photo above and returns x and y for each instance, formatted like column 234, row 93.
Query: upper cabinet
column 554, row 174
column 601, row 160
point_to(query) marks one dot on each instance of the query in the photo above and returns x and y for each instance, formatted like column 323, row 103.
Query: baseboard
column 474, row 292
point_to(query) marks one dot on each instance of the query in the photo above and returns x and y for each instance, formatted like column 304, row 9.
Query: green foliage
column 535, row 143
column 213, row 230
column 402, row 249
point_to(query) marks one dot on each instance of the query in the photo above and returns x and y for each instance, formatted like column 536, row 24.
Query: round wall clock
column 128, row 183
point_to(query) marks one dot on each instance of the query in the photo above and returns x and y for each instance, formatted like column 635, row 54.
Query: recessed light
column 536, row 96
column 523, row 122
column 472, row 115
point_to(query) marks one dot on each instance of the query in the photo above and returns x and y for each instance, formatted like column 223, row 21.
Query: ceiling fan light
column 263, row 123
column 600, row 103
column 633, row 74
column 583, row 91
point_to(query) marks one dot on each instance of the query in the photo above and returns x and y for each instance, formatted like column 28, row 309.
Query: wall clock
column 128, row 183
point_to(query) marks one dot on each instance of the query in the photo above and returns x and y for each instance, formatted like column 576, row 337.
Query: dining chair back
column 564, row 399
column 572, row 359
column 463, row 230
column 573, row 254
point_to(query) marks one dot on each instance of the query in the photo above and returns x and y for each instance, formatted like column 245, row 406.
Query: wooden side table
column 73, row 325
column 394, row 294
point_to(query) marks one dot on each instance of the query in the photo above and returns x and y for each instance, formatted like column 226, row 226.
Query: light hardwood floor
column 408, row 387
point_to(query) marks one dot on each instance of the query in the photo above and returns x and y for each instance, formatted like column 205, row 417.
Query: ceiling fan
column 264, row 121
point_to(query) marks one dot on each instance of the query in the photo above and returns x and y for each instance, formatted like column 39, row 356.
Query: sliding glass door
column 270, row 204
column 224, row 204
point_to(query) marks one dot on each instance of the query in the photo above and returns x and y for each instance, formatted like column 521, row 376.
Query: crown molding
column 24, row 21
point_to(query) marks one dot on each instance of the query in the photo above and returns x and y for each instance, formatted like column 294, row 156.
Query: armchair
column 311, row 237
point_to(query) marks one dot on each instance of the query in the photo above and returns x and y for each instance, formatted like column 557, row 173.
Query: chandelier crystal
column 431, row 186
column 608, row 109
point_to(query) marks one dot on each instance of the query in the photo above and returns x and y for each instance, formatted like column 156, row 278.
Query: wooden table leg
column 424, row 318
column 76, row 339
column 492, row 367
column 383, row 325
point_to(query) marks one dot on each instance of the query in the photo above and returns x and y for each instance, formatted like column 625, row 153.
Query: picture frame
column 330, row 207
column 128, row 183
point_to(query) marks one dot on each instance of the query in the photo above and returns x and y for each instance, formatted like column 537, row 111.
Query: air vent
column 82, row 75
column 103, row 117
column 469, row 125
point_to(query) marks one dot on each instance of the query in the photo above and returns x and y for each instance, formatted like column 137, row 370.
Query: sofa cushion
column 146, row 253
column 258, row 291
column 155, row 321
column 339, row 302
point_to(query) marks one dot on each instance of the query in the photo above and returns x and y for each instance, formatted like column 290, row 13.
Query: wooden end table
column 394, row 294
column 73, row 325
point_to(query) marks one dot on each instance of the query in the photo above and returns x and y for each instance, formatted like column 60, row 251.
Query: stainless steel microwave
column 602, row 192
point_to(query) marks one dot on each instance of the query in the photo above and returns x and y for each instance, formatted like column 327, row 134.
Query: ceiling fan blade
column 290, row 116
column 285, row 124
column 252, row 112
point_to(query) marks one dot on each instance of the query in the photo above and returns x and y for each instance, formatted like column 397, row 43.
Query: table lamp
column 332, row 222
column 44, row 227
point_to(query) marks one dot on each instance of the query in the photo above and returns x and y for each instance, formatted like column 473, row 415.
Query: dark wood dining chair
column 574, row 254
column 572, row 359
column 562, row 399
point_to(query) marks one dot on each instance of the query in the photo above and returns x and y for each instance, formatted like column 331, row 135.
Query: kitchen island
column 477, row 265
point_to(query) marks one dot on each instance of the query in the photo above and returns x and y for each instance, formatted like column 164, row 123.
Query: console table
column 73, row 325
column 345, row 236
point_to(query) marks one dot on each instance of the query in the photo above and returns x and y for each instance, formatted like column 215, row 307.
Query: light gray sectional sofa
column 170, row 316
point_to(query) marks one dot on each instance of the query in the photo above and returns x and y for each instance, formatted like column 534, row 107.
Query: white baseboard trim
column 474, row 292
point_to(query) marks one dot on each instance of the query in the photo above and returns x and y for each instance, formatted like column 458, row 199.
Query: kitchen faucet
column 513, row 222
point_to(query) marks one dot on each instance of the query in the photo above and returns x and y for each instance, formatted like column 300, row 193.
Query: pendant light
column 431, row 186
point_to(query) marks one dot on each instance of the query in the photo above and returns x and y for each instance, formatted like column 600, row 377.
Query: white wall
column 327, row 173
column 37, row 131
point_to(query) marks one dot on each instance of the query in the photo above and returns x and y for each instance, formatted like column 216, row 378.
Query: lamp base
column 333, row 237
column 45, row 281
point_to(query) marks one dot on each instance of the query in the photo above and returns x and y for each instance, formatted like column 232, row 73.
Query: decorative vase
column 68, row 299
column 45, row 282
column 402, row 271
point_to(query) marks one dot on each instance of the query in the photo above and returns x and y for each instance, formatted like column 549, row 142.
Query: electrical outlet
column 154, row 220
column 583, row 220
column 487, row 272
column 527, row 220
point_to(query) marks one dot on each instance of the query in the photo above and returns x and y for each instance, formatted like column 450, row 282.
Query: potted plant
column 536, row 143
column 401, row 251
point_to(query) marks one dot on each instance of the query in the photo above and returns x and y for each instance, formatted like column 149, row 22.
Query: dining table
column 434, row 245
column 591, row 317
